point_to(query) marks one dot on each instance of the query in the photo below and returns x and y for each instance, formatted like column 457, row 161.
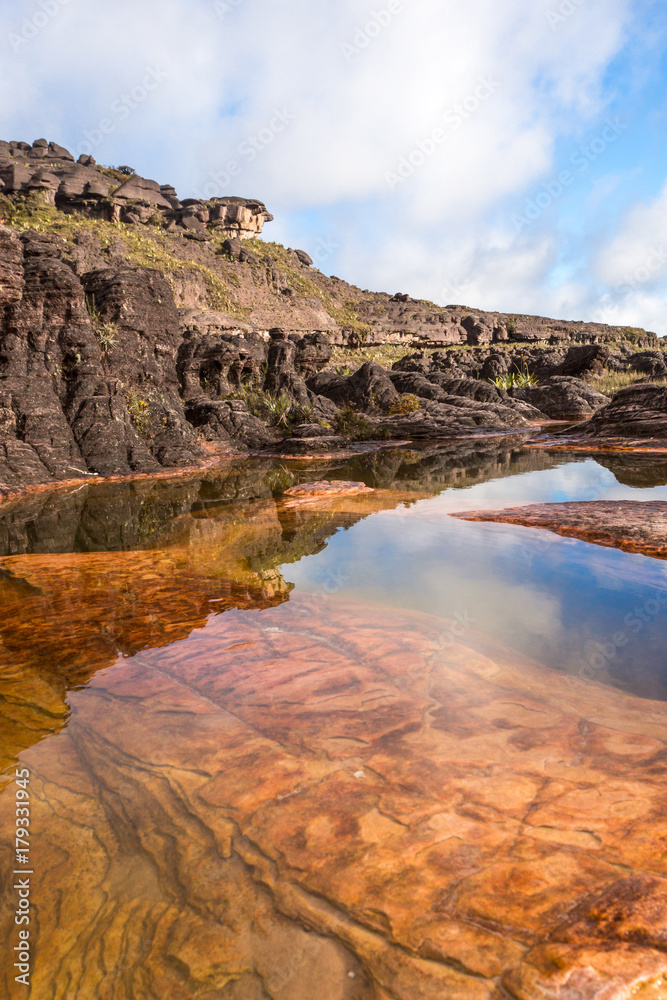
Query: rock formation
column 139, row 332
column 120, row 195
column 631, row 525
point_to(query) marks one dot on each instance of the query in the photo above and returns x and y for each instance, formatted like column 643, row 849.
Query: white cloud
column 351, row 118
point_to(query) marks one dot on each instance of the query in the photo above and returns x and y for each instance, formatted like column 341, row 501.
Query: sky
column 507, row 155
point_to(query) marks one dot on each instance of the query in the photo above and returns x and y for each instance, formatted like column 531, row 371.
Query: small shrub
column 106, row 333
column 278, row 411
column 515, row 380
column 139, row 410
column 408, row 403
column 354, row 425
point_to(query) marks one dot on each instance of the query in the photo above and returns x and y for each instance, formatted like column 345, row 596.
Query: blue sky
column 508, row 156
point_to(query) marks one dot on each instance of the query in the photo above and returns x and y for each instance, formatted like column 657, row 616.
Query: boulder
column 639, row 411
column 562, row 398
column 585, row 360
column 137, row 188
column 229, row 420
column 304, row 258
column 651, row 363
column 313, row 353
column 496, row 365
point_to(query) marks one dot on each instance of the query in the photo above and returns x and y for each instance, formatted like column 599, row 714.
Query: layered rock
column 562, row 398
column 631, row 525
column 273, row 287
column 638, row 412
column 327, row 798
column 106, row 193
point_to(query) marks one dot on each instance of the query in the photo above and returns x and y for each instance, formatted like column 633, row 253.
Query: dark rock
column 639, row 411
column 496, row 365
column 281, row 375
column 369, row 388
column 60, row 152
column 650, row 363
column 248, row 257
column 586, row 360
column 478, row 331
column 313, row 353
column 314, row 446
column 417, row 385
column 211, row 365
column 304, row 258
column 233, row 247
column 198, row 237
column 455, row 417
column 137, row 188
column 229, row 420
column 562, row 398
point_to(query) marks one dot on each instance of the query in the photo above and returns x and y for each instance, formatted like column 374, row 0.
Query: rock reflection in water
column 240, row 792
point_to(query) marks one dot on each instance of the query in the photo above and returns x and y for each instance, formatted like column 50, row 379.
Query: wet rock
column 435, row 811
column 631, row 525
column 327, row 489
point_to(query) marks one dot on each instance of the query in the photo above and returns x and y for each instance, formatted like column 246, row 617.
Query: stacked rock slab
column 82, row 186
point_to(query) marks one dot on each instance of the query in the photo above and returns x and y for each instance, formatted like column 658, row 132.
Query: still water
column 354, row 749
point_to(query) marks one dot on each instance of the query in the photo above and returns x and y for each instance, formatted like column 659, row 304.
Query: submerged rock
column 324, row 488
column 331, row 787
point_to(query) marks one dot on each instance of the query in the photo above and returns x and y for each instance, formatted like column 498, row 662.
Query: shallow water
column 355, row 749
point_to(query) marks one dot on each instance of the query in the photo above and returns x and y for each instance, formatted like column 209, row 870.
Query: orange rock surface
column 631, row 525
column 315, row 797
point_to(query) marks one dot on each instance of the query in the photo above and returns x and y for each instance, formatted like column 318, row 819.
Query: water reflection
column 342, row 749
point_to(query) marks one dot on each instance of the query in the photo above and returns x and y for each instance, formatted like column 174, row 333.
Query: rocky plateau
column 140, row 333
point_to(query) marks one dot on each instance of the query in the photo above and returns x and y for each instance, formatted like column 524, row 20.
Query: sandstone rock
column 494, row 366
column 586, row 360
column 140, row 189
column 638, row 411
column 304, row 258
column 369, row 388
column 313, row 353
column 650, row 363
column 562, row 398
column 631, row 525
column 326, row 489
column 229, row 420
column 453, row 417
column 461, row 824
column 281, row 375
